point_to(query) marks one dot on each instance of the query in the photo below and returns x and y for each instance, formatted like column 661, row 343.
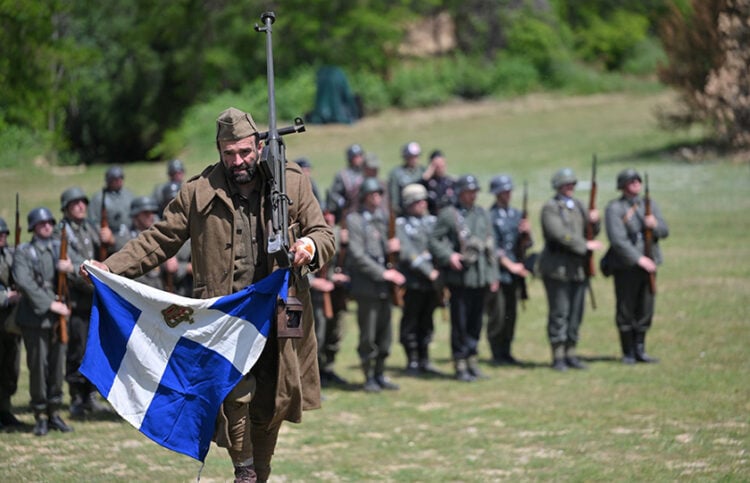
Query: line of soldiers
column 45, row 303
column 419, row 240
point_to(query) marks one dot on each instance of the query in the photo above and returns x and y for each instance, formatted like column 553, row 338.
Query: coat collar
column 213, row 183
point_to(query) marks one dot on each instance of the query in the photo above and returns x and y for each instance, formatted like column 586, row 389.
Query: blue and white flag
column 167, row 362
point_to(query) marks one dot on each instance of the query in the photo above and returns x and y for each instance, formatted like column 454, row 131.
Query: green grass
column 685, row 419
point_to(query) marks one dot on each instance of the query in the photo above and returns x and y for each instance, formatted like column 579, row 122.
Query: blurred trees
column 104, row 81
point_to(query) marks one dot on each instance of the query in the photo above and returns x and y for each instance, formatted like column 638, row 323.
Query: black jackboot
column 571, row 359
column 77, row 401
column 56, row 422
column 558, row 358
column 380, row 378
column 41, row 427
column 371, row 384
column 412, row 363
column 640, row 349
column 473, row 365
column 628, row 348
column 462, row 371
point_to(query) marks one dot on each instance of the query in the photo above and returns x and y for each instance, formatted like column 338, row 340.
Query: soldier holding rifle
column 562, row 267
column 630, row 221
column 35, row 270
column 463, row 248
column 10, row 339
column 512, row 237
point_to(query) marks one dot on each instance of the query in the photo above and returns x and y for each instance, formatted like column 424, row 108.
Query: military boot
column 558, row 358
column 472, row 364
column 628, row 349
column 640, row 349
column 41, row 427
column 412, row 364
column 371, row 385
column 380, row 378
column 425, row 366
column 571, row 359
column 77, row 405
column 462, row 371
column 56, row 422
column 91, row 402
column 245, row 474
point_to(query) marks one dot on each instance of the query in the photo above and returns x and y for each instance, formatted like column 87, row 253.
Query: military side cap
column 467, row 182
column 412, row 193
column 233, row 124
column 500, row 183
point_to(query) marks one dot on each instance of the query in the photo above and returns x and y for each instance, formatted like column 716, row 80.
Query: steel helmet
column 500, row 183
column 38, row 215
column 143, row 203
column 113, row 173
column 411, row 149
column 626, row 176
column 412, row 193
column 72, row 194
column 169, row 191
column 175, row 166
column 467, row 182
column 563, row 177
column 369, row 185
column 4, row 226
column 354, row 150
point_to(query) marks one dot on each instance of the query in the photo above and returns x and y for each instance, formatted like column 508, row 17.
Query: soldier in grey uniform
column 143, row 210
column 561, row 265
column 463, row 247
column 414, row 230
column 35, row 269
column 409, row 172
column 176, row 174
column 626, row 221
column 342, row 196
column 83, row 243
column 371, row 281
column 117, row 202
column 181, row 281
column 10, row 339
column 508, row 226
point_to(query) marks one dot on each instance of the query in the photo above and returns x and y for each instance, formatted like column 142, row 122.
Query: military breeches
column 501, row 319
column 45, row 356
column 467, row 310
column 416, row 321
column 565, row 302
column 10, row 365
column 374, row 319
column 78, row 330
column 635, row 303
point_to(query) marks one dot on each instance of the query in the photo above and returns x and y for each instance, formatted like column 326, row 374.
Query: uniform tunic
column 10, row 341
column 625, row 223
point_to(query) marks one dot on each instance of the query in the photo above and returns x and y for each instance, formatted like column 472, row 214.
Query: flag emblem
column 174, row 314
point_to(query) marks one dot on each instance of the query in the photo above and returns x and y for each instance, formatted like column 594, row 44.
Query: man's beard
column 243, row 175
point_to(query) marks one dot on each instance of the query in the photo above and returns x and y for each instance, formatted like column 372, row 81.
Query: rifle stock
column 589, row 267
column 648, row 237
column 103, row 223
column 397, row 295
column 62, row 287
column 521, row 244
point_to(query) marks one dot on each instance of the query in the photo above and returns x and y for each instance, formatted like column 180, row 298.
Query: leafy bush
column 537, row 41
column 514, row 75
column 608, row 41
column 418, row 85
column 644, row 58
column 577, row 78
column 466, row 77
column 19, row 145
column 372, row 90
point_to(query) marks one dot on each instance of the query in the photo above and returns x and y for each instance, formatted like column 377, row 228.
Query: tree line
column 105, row 81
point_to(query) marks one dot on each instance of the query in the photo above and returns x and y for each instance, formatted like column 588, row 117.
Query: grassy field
column 685, row 419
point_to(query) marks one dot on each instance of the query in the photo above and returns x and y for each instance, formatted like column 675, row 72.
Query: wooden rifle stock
column 648, row 237
column 521, row 244
column 103, row 223
column 62, row 287
column 397, row 296
column 589, row 267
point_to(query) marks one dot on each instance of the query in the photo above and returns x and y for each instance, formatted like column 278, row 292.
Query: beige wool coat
column 203, row 213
